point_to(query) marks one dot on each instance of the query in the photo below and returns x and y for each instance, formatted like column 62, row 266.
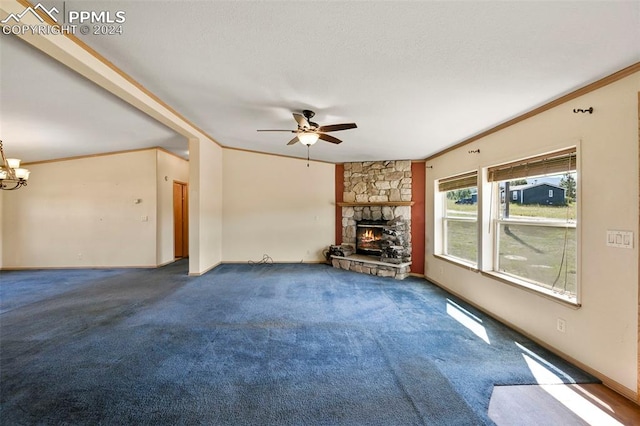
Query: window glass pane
column 544, row 255
column 460, row 224
column 462, row 203
column 462, row 240
column 543, row 198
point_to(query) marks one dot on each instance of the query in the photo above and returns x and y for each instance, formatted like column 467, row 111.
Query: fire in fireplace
column 369, row 237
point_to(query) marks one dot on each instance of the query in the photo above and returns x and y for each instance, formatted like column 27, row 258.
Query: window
column 535, row 235
column 460, row 217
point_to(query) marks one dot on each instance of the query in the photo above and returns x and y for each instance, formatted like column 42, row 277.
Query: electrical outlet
column 561, row 325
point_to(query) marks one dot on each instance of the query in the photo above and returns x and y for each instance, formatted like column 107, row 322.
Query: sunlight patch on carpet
column 468, row 320
column 544, row 372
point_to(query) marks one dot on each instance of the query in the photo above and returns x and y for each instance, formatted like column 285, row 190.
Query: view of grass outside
column 536, row 242
column 461, row 226
column 541, row 254
column 538, row 212
column 462, row 240
column 544, row 255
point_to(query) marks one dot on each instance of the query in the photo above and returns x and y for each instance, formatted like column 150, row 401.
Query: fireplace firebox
column 369, row 237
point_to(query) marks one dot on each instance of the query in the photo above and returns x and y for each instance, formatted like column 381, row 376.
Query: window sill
column 458, row 262
column 532, row 288
column 513, row 281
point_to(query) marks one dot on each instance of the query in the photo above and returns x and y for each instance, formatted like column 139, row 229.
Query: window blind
column 554, row 163
column 466, row 180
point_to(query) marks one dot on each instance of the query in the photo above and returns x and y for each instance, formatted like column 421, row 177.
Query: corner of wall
column 205, row 205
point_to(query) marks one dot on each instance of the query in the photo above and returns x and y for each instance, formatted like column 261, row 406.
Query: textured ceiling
column 416, row 77
column 47, row 111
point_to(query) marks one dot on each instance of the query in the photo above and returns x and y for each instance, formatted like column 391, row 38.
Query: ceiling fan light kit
column 308, row 138
column 309, row 132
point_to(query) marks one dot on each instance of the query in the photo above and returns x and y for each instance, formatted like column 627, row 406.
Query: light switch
column 620, row 239
column 145, row 218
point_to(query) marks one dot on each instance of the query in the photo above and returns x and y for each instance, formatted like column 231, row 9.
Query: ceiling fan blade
column 292, row 141
column 329, row 138
column 271, row 130
column 336, row 127
column 302, row 122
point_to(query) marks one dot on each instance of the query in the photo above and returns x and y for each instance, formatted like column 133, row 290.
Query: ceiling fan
column 309, row 132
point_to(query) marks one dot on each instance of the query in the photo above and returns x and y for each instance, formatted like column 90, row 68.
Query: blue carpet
column 264, row 344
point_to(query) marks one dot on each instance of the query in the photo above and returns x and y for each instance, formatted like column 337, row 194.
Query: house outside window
column 536, row 236
column 460, row 218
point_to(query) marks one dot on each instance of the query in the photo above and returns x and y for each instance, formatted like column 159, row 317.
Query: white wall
column 169, row 168
column 1, row 227
column 603, row 333
column 82, row 213
column 276, row 206
column 205, row 206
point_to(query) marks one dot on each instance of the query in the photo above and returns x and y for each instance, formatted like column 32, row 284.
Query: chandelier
column 11, row 175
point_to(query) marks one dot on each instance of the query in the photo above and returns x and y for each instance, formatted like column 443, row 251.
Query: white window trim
column 445, row 219
column 533, row 288
column 516, row 281
column 488, row 206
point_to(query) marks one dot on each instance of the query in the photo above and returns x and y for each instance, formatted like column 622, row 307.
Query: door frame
column 185, row 218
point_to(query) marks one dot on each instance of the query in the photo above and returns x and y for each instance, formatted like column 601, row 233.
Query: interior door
column 180, row 220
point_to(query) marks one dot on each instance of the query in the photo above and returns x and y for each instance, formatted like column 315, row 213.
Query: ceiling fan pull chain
column 308, row 155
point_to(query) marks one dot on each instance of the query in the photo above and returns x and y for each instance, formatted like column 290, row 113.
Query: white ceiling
column 416, row 77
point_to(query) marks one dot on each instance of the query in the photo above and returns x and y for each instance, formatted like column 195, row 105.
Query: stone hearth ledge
column 366, row 265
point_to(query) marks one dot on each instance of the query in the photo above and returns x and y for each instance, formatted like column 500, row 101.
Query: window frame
column 445, row 185
column 497, row 222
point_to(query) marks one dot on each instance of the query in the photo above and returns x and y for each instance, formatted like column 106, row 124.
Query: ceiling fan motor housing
column 308, row 114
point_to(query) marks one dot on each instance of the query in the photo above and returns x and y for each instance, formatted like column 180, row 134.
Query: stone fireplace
column 376, row 218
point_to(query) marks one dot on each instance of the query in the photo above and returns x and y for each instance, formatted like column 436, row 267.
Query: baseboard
column 36, row 268
column 607, row 381
column 160, row 265
column 244, row 262
column 413, row 274
column 617, row 387
column 198, row 274
column 52, row 268
column 283, row 262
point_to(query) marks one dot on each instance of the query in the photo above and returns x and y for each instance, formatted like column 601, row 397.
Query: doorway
column 180, row 220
